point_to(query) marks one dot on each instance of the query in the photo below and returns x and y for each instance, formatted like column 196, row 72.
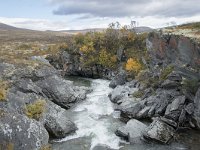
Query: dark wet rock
column 132, row 131
column 175, row 76
column 190, row 108
column 82, row 143
column 197, row 109
column 174, row 109
column 56, row 121
column 119, row 79
column 21, row 132
column 169, row 84
column 102, row 147
column 130, row 109
column 61, row 92
column 169, row 122
column 70, row 64
column 159, row 131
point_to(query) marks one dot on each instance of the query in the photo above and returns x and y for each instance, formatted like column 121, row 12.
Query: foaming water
column 95, row 117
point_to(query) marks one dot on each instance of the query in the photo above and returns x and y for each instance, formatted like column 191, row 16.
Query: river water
column 97, row 122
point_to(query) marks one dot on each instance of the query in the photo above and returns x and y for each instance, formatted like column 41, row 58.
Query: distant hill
column 7, row 27
column 83, row 31
column 143, row 29
column 14, row 34
column 137, row 29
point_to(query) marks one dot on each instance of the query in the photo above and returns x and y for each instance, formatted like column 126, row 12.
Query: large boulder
column 132, row 131
column 56, row 121
column 19, row 132
column 119, row 79
column 173, row 110
column 159, row 131
column 120, row 93
column 61, row 92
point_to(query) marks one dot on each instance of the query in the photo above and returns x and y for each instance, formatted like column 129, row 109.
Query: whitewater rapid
column 95, row 117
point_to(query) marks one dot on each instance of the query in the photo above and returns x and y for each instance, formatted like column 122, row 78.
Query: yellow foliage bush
column 35, row 110
column 106, row 59
column 133, row 65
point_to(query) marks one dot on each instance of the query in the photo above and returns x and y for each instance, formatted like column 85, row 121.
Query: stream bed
column 97, row 122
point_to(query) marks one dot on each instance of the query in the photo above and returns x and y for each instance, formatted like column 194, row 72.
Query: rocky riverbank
column 33, row 106
column 168, row 91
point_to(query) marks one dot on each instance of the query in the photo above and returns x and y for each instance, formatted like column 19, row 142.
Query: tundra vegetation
column 115, row 46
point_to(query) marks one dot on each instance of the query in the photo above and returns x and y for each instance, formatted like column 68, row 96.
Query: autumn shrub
column 35, row 110
column 133, row 65
column 107, row 48
column 106, row 59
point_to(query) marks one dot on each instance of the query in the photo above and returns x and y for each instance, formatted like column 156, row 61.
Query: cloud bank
column 124, row 8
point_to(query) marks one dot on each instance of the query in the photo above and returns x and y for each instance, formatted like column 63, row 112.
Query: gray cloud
column 122, row 8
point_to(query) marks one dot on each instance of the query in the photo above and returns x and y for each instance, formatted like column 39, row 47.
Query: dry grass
column 35, row 110
column 3, row 90
column 191, row 30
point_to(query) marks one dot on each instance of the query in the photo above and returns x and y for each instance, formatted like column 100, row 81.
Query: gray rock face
column 132, row 131
column 159, row 131
column 197, row 109
column 5, row 69
column 61, row 92
column 121, row 92
column 22, row 133
column 56, row 121
column 174, row 109
column 45, row 72
column 41, row 59
column 119, row 79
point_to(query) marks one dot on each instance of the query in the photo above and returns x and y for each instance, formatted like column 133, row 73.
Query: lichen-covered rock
column 56, row 121
column 132, row 131
column 159, row 131
column 61, row 92
column 119, row 79
column 21, row 132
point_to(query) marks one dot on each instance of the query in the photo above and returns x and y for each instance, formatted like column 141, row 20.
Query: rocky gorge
column 35, row 106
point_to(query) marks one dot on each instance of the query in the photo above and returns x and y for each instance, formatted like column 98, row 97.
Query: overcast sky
column 81, row 14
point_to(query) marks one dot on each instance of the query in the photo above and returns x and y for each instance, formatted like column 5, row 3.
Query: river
column 97, row 122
